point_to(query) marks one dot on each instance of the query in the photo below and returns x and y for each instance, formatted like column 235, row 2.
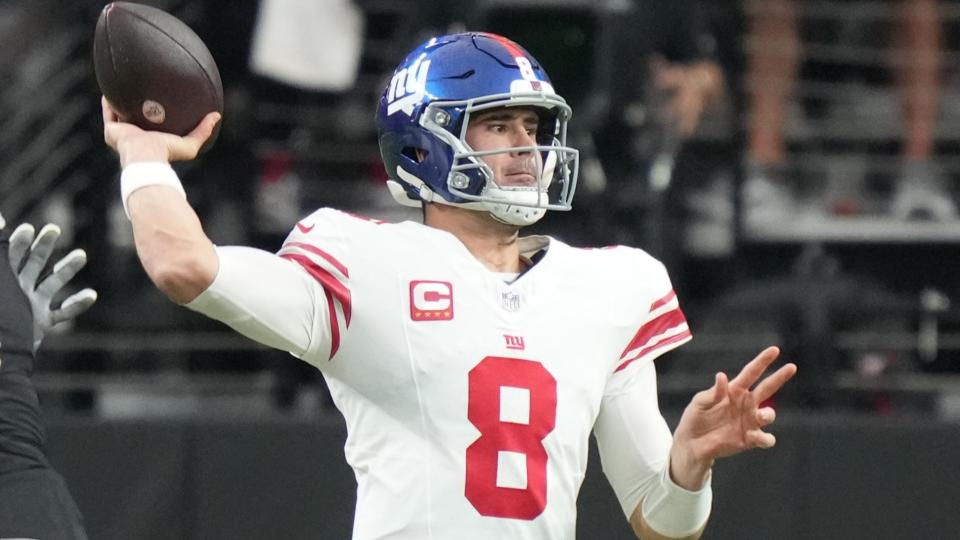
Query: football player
column 34, row 500
column 471, row 363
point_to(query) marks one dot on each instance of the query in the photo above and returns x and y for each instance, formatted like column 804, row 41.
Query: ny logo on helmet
column 408, row 87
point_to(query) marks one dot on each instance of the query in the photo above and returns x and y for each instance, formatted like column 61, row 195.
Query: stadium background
column 167, row 426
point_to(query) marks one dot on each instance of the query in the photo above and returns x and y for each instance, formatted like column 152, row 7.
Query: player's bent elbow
column 182, row 278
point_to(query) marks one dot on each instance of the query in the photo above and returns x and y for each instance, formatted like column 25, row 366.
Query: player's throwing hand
column 134, row 144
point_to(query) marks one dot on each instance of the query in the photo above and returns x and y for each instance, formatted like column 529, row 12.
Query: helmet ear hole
column 416, row 154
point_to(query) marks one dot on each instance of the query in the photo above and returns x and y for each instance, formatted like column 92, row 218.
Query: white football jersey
column 469, row 401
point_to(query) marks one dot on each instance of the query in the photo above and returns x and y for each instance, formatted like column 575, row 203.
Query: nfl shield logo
column 510, row 301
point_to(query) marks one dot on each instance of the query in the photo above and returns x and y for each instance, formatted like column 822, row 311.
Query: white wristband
column 675, row 512
column 143, row 174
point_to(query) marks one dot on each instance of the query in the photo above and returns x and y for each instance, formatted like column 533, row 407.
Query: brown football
column 154, row 70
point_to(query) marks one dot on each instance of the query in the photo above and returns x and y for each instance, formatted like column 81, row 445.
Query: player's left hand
column 29, row 253
column 727, row 419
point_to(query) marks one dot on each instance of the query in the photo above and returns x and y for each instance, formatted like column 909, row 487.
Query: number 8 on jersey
column 497, row 484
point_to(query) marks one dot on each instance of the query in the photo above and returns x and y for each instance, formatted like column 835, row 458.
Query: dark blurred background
column 813, row 205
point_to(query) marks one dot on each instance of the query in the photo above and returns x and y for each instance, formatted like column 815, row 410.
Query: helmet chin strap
column 515, row 214
column 519, row 216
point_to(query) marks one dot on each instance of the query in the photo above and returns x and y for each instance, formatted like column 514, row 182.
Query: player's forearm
column 669, row 511
column 176, row 254
column 688, row 470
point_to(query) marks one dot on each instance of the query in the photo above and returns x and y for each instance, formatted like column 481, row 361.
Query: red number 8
column 483, row 410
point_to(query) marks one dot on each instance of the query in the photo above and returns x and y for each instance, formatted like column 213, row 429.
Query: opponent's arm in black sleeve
column 21, row 434
column 26, row 316
column 34, row 500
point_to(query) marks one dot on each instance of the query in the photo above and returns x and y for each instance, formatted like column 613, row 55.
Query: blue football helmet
column 422, row 122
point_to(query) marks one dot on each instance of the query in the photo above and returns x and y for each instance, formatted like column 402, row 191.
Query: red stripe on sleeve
column 685, row 335
column 663, row 301
column 334, row 326
column 317, row 251
column 327, row 280
column 654, row 328
column 331, row 288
